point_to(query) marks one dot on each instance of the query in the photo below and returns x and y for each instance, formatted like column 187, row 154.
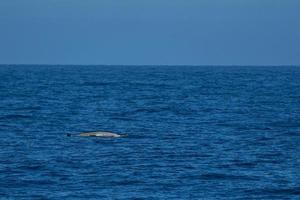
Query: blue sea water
column 193, row 132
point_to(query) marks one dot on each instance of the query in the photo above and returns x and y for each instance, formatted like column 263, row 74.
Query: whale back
column 99, row 134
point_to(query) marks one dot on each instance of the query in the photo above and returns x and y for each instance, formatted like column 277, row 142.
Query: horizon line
column 160, row 65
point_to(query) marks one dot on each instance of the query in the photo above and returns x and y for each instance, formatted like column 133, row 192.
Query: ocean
column 194, row 132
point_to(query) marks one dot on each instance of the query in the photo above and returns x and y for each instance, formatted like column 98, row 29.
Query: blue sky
column 152, row 32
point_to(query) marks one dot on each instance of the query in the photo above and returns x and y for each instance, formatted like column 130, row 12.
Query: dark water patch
column 127, row 182
column 245, row 164
column 14, row 117
column 32, row 167
column 123, row 118
column 38, row 182
column 277, row 191
column 285, row 124
column 28, row 108
column 176, row 110
column 230, row 177
column 292, row 134
column 151, row 110
column 97, row 84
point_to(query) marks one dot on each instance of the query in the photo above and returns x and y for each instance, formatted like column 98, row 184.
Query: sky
column 150, row 32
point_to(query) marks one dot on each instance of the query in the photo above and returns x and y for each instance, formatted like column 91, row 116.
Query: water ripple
column 193, row 132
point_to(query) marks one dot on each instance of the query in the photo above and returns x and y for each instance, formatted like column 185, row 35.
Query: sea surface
column 194, row 132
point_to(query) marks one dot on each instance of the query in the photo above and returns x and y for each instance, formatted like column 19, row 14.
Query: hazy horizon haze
column 228, row 32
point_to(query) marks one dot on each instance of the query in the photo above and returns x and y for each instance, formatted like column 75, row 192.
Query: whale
column 99, row 134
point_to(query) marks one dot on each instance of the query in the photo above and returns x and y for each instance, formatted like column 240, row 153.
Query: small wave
column 284, row 124
column 127, row 182
column 149, row 110
column 292, row 134
column 220, row 176
column 283, row 191
column 276, row 191
column 98, row 83
column 246, row 164
column 28, row 108
column 9, row 117
column 122, row 118
column 151, row 84
column 31, row 167
column 174, row 110
column 39, row 182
